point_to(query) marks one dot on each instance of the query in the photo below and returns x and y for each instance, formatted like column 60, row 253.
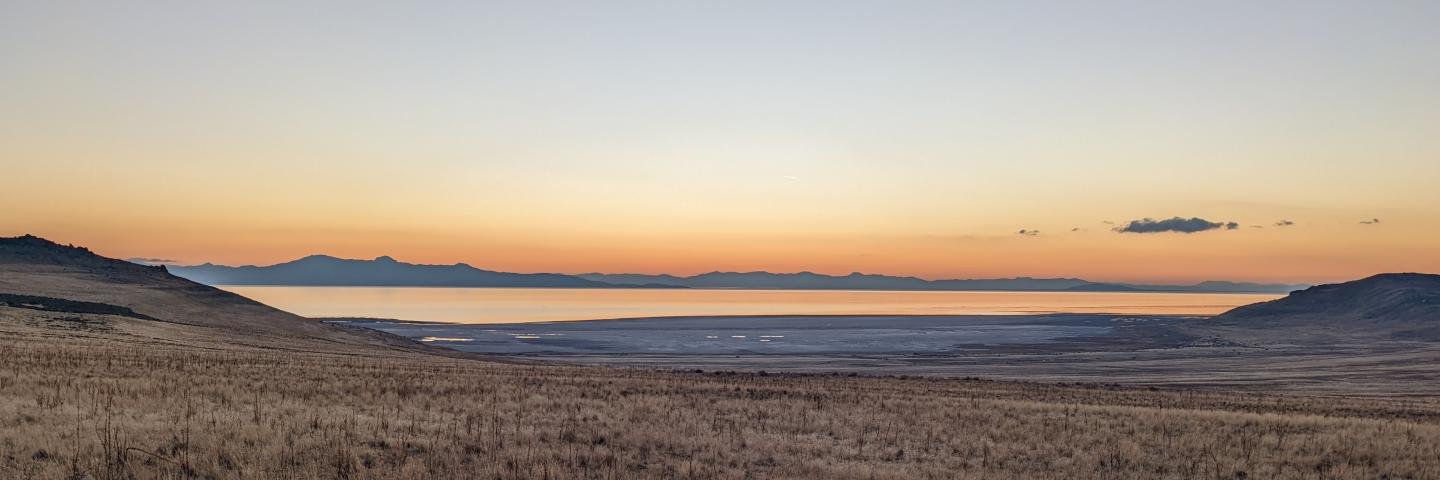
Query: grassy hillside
column 1390, row 306
column 167, row 308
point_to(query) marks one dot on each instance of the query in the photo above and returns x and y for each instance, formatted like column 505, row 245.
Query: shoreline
column 350, row 319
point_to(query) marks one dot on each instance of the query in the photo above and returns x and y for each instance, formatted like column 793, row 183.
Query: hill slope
column 42, row 279
column 1401, row 304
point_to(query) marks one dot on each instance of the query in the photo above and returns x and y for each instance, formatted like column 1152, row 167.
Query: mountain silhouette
column 325, row 270
column 317, row 270
column 862, row 281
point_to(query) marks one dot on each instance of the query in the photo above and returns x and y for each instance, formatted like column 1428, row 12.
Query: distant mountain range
column 323, row 270
column 862, row 281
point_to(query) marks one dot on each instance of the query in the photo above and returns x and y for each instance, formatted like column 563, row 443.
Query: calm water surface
column 522, row 305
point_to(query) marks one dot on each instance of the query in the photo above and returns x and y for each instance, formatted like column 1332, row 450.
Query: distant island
column 324, row 270
column 863, row 281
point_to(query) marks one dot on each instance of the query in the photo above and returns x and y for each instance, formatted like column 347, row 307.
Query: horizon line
column 715, row 271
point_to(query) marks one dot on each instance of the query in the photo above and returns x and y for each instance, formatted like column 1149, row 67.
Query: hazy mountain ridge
column 861, row 281
column 325, row 270
column 1210, row 286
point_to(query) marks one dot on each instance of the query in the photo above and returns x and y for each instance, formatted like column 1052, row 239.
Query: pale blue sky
column 761, row 120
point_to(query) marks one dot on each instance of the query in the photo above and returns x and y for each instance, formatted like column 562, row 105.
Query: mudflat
column 1124, row 349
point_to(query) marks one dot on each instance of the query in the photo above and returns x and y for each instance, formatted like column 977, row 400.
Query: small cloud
column 1077, row 229
column 789, row 177
column 1174, row 224
column 152, row 261
column 1370, row 221
column 1284, row 223
column 1257, row 226
column 1107, row 222
column 1028, row 233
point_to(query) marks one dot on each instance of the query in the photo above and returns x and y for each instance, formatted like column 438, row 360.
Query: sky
column 943, row 139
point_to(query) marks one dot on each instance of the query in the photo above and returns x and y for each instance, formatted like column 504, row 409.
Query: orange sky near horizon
column 1269, row 255
column 677, row 137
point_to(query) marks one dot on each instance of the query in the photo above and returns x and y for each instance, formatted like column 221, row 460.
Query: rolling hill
column 42, row 281
column 1394, row 304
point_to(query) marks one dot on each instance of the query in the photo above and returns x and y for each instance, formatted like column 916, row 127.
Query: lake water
column 528, row 305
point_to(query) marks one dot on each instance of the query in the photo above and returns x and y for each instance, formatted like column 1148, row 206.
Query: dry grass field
column 75, row 406
column 112, row 371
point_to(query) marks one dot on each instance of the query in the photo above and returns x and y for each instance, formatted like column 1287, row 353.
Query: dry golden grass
column 84, row 408
column 206, row 384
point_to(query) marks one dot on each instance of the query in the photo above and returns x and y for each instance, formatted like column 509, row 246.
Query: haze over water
column 523, row 305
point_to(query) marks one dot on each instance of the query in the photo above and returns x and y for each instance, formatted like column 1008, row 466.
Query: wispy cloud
column 1028, row 233
column 1370, row 221
column 151, row 261
column 1284, row 223
column 1174, row 224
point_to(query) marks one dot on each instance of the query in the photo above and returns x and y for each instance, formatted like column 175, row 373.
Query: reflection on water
column 446, row 339
column 517, row 305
